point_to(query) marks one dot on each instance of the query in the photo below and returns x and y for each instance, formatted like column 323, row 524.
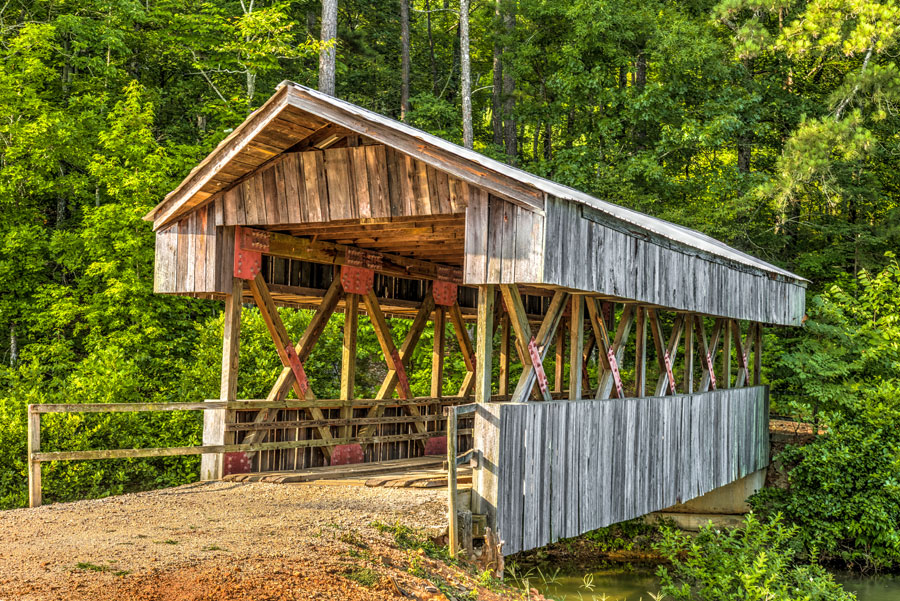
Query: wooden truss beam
column 708, row 351
column 611, row 352
column 533, row 369
column 396, row 359
column 465, row 347
column 666, row 356
column 289, row 358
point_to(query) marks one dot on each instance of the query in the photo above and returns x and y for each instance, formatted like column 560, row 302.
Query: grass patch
column 364, row 576
column 214, row 548
column 408, row 538
column 168, row 541
column 92, row 567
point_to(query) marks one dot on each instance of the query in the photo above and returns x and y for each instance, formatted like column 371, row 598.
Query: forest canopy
column 769, row 125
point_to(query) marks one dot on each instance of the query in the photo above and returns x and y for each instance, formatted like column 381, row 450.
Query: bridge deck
column 417, row 472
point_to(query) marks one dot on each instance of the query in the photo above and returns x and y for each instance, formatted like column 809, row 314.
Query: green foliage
column 843, row 371
column 363, row 576
column 408, row 538
column 756, row 562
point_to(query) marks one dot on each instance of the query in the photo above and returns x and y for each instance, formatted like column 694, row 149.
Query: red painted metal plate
column 402, row 380
column 436, row 445
column 538, row 366
column 345, row 454
column 296, row 367
column 236, row 463
column 445, row 293
column 617, row 377
column 357, row 280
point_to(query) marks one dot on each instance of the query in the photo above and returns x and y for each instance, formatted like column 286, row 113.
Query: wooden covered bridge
column 651, row 333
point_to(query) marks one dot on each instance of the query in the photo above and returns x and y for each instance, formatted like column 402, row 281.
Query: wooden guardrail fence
column 36, row 456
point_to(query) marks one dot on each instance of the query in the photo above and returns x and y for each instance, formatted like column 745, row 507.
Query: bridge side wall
column 558, row 469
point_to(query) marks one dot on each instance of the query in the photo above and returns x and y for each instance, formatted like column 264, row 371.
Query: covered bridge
column 651, row 332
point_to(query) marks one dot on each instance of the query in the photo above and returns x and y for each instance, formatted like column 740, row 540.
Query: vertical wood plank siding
column 193, row 255
column 338, row 184
column 559, row 469
column 588, row 251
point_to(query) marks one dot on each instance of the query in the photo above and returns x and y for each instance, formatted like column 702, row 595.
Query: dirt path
column 227, row 541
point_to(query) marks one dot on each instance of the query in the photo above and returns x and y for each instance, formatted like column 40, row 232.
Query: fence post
column 451, row 482
column 34, row 467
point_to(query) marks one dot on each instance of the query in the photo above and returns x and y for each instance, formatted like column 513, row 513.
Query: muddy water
column 617, row 585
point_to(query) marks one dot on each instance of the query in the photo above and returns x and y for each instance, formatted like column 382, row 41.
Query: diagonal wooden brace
column 297, row 367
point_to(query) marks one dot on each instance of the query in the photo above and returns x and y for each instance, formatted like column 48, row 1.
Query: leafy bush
column 757, row 562
column 844, row 371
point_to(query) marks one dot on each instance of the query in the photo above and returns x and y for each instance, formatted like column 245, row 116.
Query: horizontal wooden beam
column 224, row 448
column 330, row 253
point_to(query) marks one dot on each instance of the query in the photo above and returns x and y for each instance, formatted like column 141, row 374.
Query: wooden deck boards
column 418, row 472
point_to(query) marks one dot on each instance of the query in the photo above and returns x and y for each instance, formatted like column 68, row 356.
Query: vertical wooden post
column 504, row 354
column 34, row 467
column 689, row 355
column 576, row 347
column 560, row 356
column 348, row 359
column 726, row 357
column 214, row 421
column 757, row 356
column 437, row 352
column 484, row 340
column 451, row 481
column 640, row 353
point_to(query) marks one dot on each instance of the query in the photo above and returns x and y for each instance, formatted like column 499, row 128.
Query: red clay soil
column 232, row 542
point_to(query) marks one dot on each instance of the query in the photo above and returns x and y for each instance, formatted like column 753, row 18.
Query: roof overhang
column 274, row 128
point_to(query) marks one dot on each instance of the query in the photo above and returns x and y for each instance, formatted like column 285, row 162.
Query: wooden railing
column 36, row 456
column 453, row 460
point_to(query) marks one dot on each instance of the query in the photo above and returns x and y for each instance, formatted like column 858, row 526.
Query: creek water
column 636, row 585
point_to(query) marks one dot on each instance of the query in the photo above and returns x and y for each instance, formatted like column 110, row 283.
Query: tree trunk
column 743, row 154
column 509, row 86
column 497, row 88
column 640, row 71
column 328, row 55
column 465, row 76
column 435, row 85
column 404, row 59
column 13, row 345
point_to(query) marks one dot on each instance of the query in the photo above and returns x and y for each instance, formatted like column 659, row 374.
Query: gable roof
column 296, row 112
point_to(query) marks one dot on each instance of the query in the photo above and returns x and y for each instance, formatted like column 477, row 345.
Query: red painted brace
column 297, row 368
column 402, row 381
column 669, row 375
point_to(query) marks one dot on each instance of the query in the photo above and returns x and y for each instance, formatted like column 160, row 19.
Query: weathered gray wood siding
column 586, row 250
column 558, row 469
column 504, row 241
column 193, row 256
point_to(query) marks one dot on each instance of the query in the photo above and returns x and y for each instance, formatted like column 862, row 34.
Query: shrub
column 754, row 563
